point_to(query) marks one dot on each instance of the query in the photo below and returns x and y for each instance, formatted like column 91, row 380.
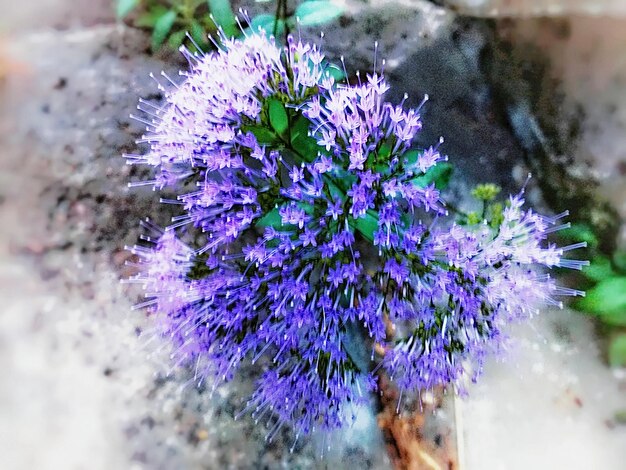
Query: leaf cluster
column 605, row 283
column 171, row 20
column 491, row 209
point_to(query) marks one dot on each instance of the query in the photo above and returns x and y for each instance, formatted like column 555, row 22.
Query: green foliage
column 278, row 116
column 617, row 351
column 492, row 210
column 267, row 23
column 317, row 12
column 162, row 28
column 170, row 20
column 301, row 141
column 486, row 192
column 605, row 283
column 607, row 300
column 367, row 225
column 440, row 174
column 223, row 15
column 308, row 13
column 271, row 219
column 581, row 233
column 124, row 7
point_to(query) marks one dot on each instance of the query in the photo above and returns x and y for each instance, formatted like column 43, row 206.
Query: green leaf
column 176, row 39
column 599, row 269
column 224, row 16
column 198, row 33
column 580, row 233
column 278, row 116
column 614, row 319
column 366, row 225
column 162, row 28
column 617, row 351
column 335, row 191
column 619, row 260
column 263, row 135
column 317, row 12
column 264, row 22
column 335, row 72
column 486, row 192
column 271, row 219
column 124, row 7
column 440, row 174
column 150, row 18
column 411, row 157
column 304, row 144
column 607, row 300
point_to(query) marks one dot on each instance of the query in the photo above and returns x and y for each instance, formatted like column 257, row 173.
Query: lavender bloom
column 297, row 181
column 477, row 280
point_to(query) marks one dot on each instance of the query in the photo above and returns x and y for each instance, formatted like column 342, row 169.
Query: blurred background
column 515, row 86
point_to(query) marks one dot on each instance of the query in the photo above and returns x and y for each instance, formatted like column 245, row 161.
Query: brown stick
column 407, row 445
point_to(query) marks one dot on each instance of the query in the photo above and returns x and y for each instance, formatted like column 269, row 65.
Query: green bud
column 473, row 218
column 486, row 192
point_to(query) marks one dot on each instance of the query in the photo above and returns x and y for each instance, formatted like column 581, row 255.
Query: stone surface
column 550, row 403
column 588, row 65
column 79, row 388
column 525, row 8
column 58, row 14
column 79, row 385
column 430, row 51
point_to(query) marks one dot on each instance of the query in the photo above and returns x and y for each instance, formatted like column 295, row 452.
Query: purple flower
column 275, row 269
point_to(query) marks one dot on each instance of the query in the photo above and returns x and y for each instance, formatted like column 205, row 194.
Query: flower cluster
column 313, row 214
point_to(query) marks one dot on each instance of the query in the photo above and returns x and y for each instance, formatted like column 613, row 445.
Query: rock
column 536, row 8
column 18, row 17
column 64, row 127
column 66, row 318
column 562, row 93
column 429, row 50
column 584, row 83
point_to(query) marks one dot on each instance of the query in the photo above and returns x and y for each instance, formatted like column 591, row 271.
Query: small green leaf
column 335, row 192
column 411, row 157
column 149, row 19
column 607, row 300
column 366, row 225
column 486, row 192
column 278, row 116
column 271, row 219
column 264, row 22
column 317, row 12
column 162, row 28
column 384, row 151
column 305, row 145
column 263, row 135
column 124, row 7
column 580, row 233
column 198, row 33
column 599, row 269
column 495, row 214
column 176, row 39
column 440, row 174
column 474, row 218
column 617, row 351
column 619, row 261
column 224, row 16
column 336, row 72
